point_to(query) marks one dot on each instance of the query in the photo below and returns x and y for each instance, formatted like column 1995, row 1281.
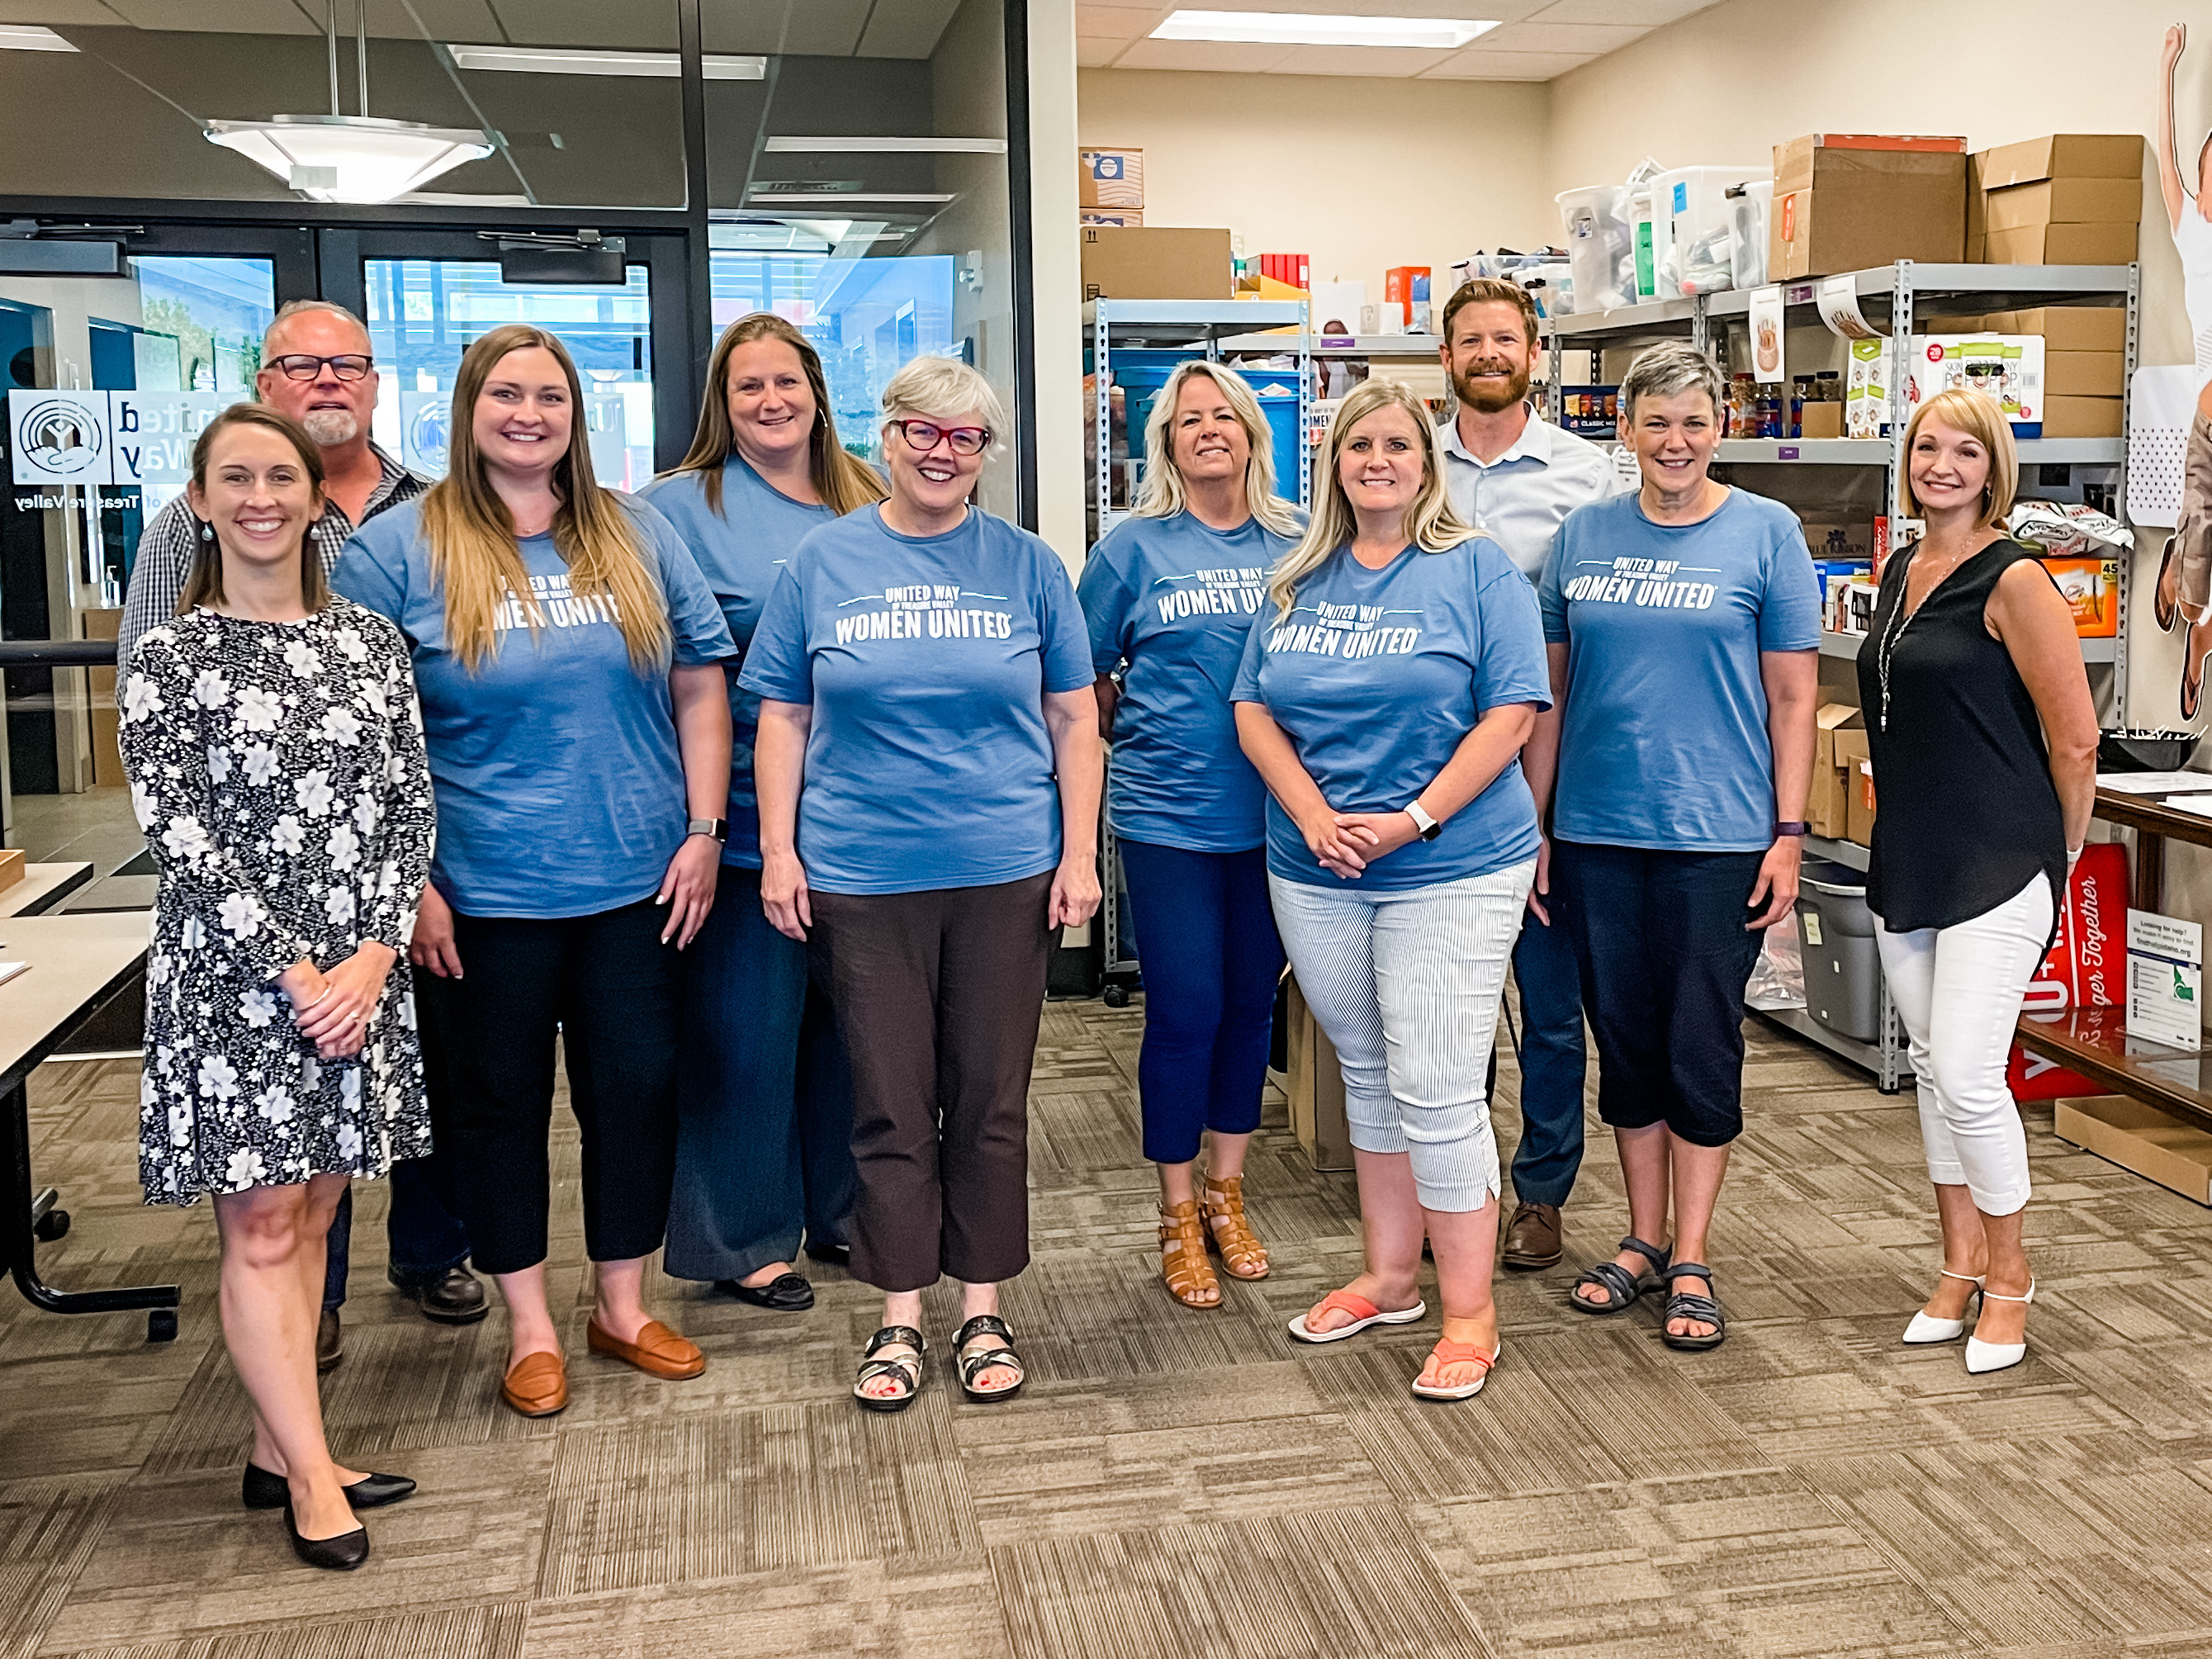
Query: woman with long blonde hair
column 1169, row 594
column 570, row 662
column 764, row 1148
column 1385, row 699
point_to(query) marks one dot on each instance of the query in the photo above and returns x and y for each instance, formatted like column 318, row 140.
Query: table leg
column 2150, row 872
column 18, row 1245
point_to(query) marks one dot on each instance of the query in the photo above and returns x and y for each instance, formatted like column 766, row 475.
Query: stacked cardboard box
column 1839, row 731
column 1111, row 186
column 1154, row 264
column 1849, row 201
column 2073, row 198
column 2084, row 368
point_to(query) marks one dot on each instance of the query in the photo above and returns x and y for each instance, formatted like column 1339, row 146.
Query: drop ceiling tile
column 1503, row 10
column 1583, row 40
column 906, row 28
column 1398, row 62
column 1090, row 52
column 1647, row 14
column 648, row 25
column 810, row 28
column 217, row 16
column 88, row 14
column 1118, row 23
column 1475, row 64
column 1229, row 57
column 468, row 20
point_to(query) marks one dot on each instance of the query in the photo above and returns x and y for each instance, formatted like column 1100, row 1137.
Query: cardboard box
column 1128, row 217
column 1844, row 202
column 1315, row 1088
column 1406, row 288
column 1866, row 389
column 2092, row 587
column 1825, row 802
column 2061, row 245
column 1822, row 420
column 2060, row 156
column 11, row 867
column 1110, row 178
column 2067, row 328
column 1155, row 263
column 2081, row 417
column 2139, row 1136
column 2084, row 373
column 1850, row 748
column 2063, row 202
column 1835, row 540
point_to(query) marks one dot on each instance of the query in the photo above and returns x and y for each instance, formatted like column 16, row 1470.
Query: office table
column 78, row 963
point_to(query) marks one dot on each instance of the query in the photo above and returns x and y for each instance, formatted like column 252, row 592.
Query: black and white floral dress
column 277, row 770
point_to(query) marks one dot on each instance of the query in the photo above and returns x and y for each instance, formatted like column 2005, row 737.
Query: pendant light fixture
column 350, row 158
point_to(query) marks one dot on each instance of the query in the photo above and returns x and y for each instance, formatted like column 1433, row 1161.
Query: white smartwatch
column 1429, row 827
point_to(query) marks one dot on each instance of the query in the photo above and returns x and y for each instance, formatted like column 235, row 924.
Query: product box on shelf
column 1155, row 263
column 1590, row 411
column 1866, row 389
column 1292, row 270
column 2008, row 366
column 1846, row 201
column 2092, row 587
column 1826, row 805
column 1406, row 288
column 2139, row 1136
column 1126, row 217
column 1848, row 744
column 2063, row 202
column 1110, row 178
column 1821, row 420
column 2060, row 156
column 1840, row 543
column 2065, row 328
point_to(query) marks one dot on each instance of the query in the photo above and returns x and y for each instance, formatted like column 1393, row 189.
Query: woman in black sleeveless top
column 1984, row 743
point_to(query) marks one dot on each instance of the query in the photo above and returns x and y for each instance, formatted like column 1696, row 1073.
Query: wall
column 1717, row 76
column 1360, row 173
column 1055, row 264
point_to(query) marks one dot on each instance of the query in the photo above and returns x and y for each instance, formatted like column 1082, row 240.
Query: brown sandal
column 1189, row 1275
column 1227, row 1232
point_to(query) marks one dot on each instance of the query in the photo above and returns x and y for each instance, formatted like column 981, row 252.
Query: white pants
column 1406, row 985
column 1958, row 990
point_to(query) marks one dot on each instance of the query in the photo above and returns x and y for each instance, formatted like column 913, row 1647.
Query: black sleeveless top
column 1967, row 812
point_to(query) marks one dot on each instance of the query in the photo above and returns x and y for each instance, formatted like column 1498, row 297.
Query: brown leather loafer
column 1532, row 1238
column 538, row 1386
column 330, row 1342
column 658, row 1351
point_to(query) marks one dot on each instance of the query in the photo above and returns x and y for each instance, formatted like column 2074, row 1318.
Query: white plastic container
column 1748, row 240
column 1640, row 233
column 1601, row 243
column 1692, row 228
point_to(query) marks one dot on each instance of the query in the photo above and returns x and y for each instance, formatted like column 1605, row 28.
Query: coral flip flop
column 1448, row 1352
column 1363, row 1313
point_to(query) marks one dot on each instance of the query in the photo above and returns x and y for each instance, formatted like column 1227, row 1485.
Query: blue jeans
column 765, row 1120
column 428, row 1240
column 1207, row 942
column 1550, row 1154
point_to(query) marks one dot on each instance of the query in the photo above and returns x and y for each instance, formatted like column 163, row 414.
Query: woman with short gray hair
column 1683, row 628
column 928, row 770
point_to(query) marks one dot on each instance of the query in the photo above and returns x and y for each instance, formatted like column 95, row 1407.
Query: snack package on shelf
column 2066, row 529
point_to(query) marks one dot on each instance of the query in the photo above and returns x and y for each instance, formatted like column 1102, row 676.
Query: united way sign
column 143, row 438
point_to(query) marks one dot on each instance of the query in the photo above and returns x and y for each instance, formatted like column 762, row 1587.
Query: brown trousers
column 938, row 996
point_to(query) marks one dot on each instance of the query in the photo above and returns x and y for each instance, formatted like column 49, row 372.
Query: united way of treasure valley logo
column 60, row 439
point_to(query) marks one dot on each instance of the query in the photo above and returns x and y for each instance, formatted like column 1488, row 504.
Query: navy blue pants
column 1550, row 1154
column 764, row 1135
column 1206, row 940
column 1665, row 956
column 426, row 1238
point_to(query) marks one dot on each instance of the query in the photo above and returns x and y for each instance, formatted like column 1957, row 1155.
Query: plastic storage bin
column 1843, row 970
column 1749, row 206
column 1601, row 246
column 1693, row 227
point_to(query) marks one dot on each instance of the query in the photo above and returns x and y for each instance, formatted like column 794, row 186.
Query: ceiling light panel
column 810, row 145
column 23, row 37
column 566, row 60
column 1319, row 29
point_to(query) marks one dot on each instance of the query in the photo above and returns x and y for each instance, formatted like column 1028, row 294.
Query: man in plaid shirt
column 318, row 368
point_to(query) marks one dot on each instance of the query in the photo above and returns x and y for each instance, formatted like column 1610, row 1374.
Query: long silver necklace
column 1898, row 619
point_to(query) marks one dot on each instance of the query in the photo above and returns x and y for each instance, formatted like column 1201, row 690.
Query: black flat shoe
column 455, row 1297
column 785, row 1293
column 837, row 1255
column 262, row 1490
column 340, row 1554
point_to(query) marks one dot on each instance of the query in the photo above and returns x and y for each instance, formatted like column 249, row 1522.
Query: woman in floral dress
column 275, row 760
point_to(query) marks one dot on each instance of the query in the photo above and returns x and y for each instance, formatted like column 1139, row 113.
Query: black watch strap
column 1792, row 827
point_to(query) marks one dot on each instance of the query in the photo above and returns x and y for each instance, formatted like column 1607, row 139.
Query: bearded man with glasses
column 317, row 367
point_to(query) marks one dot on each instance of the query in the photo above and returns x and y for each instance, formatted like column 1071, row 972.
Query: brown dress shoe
column 658, row 1351
column 1532, row 1238
column 330, row 1342
column 538, row 1386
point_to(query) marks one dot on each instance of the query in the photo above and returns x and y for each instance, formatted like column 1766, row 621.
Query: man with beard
column 317, row 367
column 1517, row 477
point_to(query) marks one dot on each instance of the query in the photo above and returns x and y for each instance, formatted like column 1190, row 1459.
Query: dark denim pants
column 1550, row 1153
column 426, row 1238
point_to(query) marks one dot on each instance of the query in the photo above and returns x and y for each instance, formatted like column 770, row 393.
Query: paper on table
column 2200, row 805
column 2154, row 783
column 10, row 969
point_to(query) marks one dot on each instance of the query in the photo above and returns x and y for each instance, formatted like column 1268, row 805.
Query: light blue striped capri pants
column 1407, row 984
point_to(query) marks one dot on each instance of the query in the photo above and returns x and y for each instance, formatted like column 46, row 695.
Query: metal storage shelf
column 1859, row 1054
column 1877, row 452
column 1423, row 346
column 1847, row 852
column 1847, row 645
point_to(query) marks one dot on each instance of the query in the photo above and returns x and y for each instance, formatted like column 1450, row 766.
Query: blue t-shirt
column 1377, row 675
column 559, row 784
column 738, row 551
column 1175, row 599
column 926, row 659
column 1664, row 739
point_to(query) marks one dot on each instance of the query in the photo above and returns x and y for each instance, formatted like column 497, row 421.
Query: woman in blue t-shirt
column 929, row 772
column 1169, row 595
column 569, row 658
column 764, row 1144
column 1384, row 696
column 1683, row 626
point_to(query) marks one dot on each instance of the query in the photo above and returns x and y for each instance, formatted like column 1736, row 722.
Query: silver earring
column 207, row 532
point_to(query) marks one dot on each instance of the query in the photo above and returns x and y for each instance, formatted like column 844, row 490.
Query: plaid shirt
column 166, row 548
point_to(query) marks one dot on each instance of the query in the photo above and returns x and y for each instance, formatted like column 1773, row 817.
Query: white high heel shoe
column 1982, row 1356
column 1925, row 1327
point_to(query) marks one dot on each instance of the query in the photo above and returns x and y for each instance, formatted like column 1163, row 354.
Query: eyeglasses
column 926, row 436
column 347, row 366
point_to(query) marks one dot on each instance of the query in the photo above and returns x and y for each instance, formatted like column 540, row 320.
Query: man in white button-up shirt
column 1517, row 477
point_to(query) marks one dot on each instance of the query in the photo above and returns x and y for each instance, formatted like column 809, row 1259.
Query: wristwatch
column 1429, row 827
column 717, row 829
column 1792, row 827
